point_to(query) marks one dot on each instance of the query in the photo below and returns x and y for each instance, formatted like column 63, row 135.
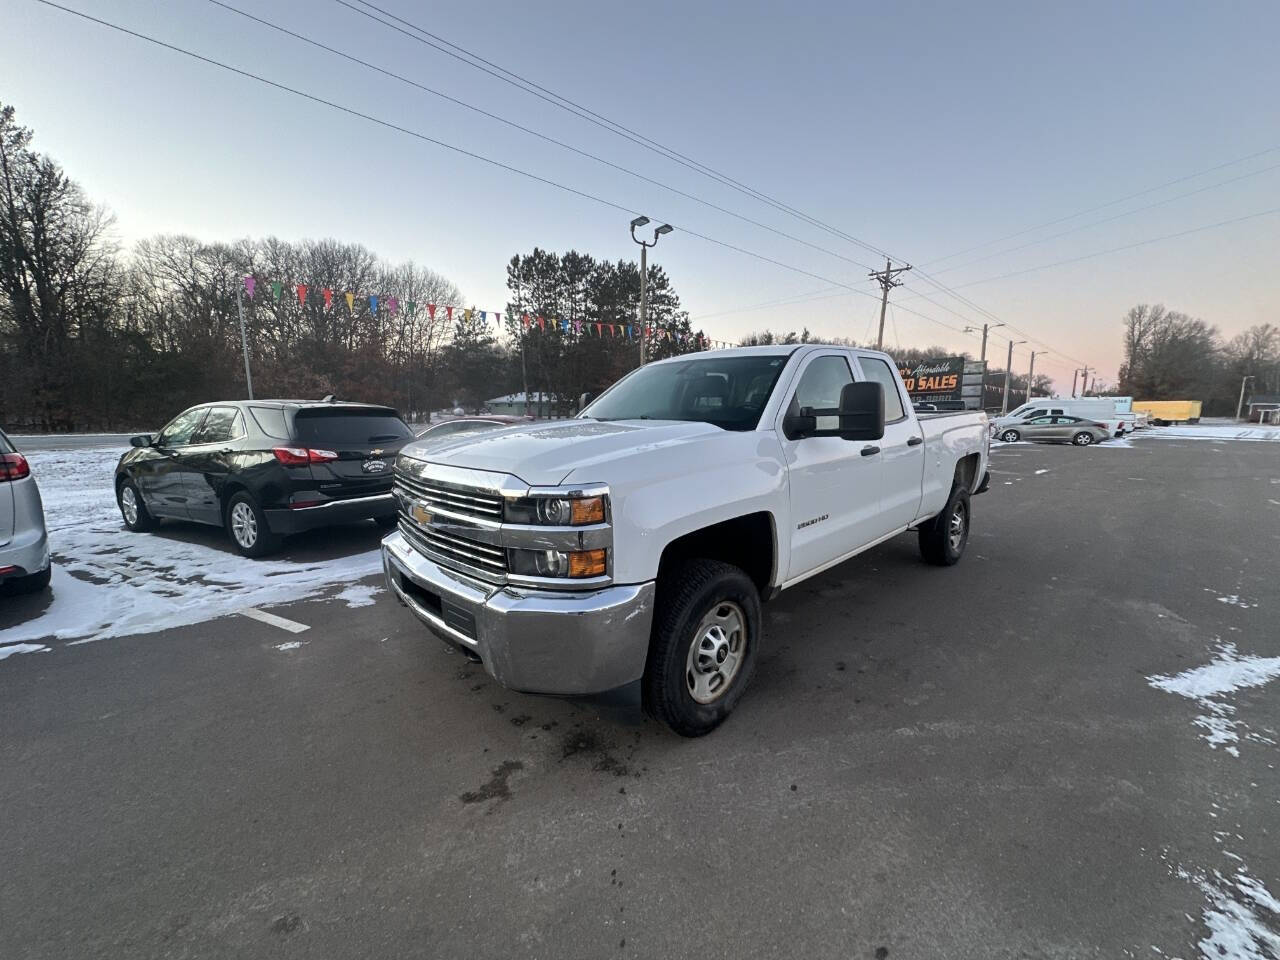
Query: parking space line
column 253, row 613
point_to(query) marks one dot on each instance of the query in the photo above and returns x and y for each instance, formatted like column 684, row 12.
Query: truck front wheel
column 703, row 651
column 943, row 539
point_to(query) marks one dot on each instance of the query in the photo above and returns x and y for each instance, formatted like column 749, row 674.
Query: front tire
column 135, row 513
column 247, row 526
column 1082, row 439
column 703, row 650
column 943, row 539
column 1011, row 436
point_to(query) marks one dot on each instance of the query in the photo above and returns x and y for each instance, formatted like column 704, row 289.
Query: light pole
column 1008, row 371
column 1240, row 403
column 644, row 273
column 1031, row 375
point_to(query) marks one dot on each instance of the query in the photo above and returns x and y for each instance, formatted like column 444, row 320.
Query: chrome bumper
column 537, row 641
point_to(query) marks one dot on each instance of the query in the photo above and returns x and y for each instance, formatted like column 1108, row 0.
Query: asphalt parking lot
column 1034, row 754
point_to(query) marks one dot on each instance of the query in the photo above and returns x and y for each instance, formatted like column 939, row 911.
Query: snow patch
column 1238, row 914
column 291, row 644
column 1210, row 431
column 1038, row 472
column 1209, row 686
column 360, row 594
column 10, row 649
column 110, row 582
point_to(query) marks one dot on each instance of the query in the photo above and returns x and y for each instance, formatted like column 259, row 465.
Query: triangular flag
column 598, row 333
column 577, row 326
column 431, row 310
column 392, row 305
column 351, row 302
column 302, row 294
column 484, row 317
column 564, row 325
column 525, row 320
column 328, row 298
column 448, row 313
column 629, row 328
column 250, row 284
column 542, row 323
column 276, row 287
column 373, row 304
column 411, row 304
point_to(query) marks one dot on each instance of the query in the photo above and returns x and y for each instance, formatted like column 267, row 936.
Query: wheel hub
column 244, row 525
column 129, row 505
column 716, row 652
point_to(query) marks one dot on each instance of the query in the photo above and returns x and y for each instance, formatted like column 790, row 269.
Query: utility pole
column 887, row 281
column 1075, row 374
column 983, row 357
column 244, row 342
column 1031, row 375
column 1008, row 371
column 1240, row 403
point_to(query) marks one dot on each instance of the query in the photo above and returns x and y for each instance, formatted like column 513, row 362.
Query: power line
column 1109, row 203
column 1118, row 216
column 558, row 100
column 530, row 131
column 460, row 150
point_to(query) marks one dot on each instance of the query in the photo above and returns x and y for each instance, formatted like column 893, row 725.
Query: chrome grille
column 480, row 558
column 466, row 502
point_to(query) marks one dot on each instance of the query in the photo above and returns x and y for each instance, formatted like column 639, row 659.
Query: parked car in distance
column 1074, row 430
column 24, row 543
column 1101, row 410
column 264, row 469
column 485, row 421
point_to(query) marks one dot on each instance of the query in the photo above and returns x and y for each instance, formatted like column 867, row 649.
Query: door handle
column 870, row 451
column 915, row 441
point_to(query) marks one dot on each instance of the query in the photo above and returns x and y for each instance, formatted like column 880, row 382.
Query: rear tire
column 34, row 582
column 703, row 650
column 247, row 527
column 943, row 539
column 1083, row 439
column 1011, row 436
column 135, row 513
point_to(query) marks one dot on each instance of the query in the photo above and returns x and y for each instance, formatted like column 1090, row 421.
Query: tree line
column 1169, row 355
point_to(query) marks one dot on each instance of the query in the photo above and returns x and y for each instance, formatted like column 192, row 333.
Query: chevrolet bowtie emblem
column 375, row 453
column 421, row 514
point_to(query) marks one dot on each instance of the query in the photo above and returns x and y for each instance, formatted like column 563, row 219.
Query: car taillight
column 13, row 466
column 301, row 456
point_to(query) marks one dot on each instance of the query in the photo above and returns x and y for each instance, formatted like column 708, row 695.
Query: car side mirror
column 584, row 400
column 142, row 440
column 861, row 411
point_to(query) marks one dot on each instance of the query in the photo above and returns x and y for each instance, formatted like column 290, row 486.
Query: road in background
column 995, row 760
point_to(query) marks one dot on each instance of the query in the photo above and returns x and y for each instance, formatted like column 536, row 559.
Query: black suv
column 264, row 468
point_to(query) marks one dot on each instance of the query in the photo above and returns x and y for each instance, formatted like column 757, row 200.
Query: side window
column 878, row 371
column 1039, row 421
column 220, row 426
column 820, row 384
column 270, row 421
column 178, row 432
column 1035, row 413
column 1057, row 410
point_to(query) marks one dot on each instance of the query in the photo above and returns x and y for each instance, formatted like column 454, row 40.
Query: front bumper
column 335, row 511
column 536, row 641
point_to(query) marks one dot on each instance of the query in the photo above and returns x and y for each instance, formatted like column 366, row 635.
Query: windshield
column 729, row 392
column 344, row 425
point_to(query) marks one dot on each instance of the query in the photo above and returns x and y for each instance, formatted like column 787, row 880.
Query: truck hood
column 543, row 454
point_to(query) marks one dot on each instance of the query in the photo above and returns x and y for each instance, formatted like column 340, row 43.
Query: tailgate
column 365, row 440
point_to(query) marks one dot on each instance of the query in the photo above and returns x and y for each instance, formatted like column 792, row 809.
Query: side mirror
column 585, row 399
column 142, row 440
column 862, row 411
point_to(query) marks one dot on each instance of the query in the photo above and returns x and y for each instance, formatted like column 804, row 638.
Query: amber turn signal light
column 587, row 563
column 588, row 510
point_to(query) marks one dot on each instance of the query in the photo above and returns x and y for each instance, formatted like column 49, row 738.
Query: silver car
column 24, row 545
column 1075, row 430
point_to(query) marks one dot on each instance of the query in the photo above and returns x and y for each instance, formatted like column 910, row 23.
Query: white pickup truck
column 638, row 540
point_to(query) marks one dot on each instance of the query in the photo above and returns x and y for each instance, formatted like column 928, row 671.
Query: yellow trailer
column 1169, row 411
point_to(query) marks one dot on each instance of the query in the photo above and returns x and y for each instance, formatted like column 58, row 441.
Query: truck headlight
column 558, row 563
column 556, row 511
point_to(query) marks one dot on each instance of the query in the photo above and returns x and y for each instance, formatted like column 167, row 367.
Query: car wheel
column 1082, row 439
column 943, row 539
column 33, row 582
column 1011, row 436
column 703, row 650
column 135, row 513
column 247, row 527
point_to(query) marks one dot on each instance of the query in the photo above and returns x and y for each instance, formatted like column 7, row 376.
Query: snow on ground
column 360, row 594
column 12, row 648
column 1215, row 431
column 110, row 582
column 1211, row 685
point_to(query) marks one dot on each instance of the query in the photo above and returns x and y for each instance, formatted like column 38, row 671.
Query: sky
column 920, row 129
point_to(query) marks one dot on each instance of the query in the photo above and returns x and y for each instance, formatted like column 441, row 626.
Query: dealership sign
column 935, row 381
